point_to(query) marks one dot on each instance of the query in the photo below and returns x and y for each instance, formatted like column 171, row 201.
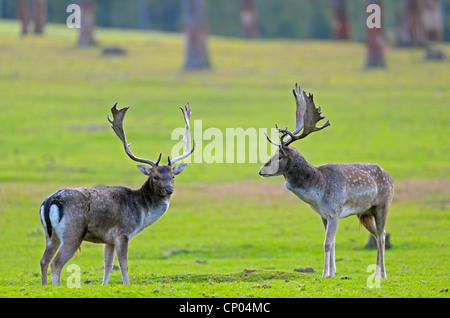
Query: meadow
column 228, row 232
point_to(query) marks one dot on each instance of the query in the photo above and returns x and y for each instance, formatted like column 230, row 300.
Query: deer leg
column 329, row 269
column 65, row 253
column 122, row 256
column 109, row 258
column 331, row 260
column 368, row 221
column 380, row 220
column 51, row 246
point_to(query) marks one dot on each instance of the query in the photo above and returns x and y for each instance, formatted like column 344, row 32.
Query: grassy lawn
column 228, row 233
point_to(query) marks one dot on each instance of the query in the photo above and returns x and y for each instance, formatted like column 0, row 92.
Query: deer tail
column 51, row 210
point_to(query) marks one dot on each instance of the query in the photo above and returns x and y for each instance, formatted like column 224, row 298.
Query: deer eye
column 156, row 178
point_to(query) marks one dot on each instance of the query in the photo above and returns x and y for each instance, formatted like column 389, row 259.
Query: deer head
column 307, row 116
column 160, row 177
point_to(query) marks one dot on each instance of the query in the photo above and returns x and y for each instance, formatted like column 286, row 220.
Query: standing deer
column 334, row 191
column 108, row 215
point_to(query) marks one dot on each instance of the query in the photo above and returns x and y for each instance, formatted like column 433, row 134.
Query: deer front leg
column 121, row 248
column 109, row 258
column 332, row 270
column 329, row 269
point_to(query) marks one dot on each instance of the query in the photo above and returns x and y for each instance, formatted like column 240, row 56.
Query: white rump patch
column 57, row 224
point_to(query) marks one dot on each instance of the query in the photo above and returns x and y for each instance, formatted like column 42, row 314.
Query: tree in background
column 375, row 41
column 341, row 20
column 36, row 11
column 432, row 18
column 23, row 13
column 249, row 19
column 196, row 53
column 40, row 16
column 412, row 30
column 422, row 25
column 143, row 9
column 87, row 22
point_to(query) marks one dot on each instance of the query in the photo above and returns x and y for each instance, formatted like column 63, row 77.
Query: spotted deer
column 111, row 215
column 334, row 191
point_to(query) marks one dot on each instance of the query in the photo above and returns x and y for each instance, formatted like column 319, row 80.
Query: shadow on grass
column 245, row 276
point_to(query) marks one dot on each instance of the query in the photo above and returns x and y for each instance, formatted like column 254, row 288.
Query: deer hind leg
column 380, row 220
column 65, row 253
column 368, row 221
column 51, row 246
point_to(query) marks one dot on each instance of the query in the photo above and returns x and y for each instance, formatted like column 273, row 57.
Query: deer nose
column 169, row 190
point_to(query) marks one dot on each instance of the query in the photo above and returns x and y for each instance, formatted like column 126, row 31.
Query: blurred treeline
column 302, row 19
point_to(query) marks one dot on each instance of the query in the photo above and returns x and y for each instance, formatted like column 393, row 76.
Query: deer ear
column 179, row 168
column 144, row 169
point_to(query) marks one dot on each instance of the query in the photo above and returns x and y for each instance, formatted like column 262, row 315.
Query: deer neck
column 149, row 197
column 303, row 179
column 150, row 207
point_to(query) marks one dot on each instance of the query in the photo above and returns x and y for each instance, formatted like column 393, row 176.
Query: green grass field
column 228, row 233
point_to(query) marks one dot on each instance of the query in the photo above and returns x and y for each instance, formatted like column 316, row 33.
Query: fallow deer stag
column 111, row 215
column 334, row 191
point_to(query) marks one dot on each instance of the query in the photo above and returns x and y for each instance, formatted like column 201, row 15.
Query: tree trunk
column 375, row 42
column 24, row 15
column 196, row 53
column 249, row 19
column 432, row 20
column 144, row 14
column 434, row 30
column 412, row 31
column 32, row 10
column 341, row 20
column 40, row 16
column 87, row 22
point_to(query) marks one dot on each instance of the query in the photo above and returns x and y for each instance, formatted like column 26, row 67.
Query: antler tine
column 117, row 126
column 187, row 136
column 300, row 109
column 307, row 116
column 286, row 133
column 312, row 117
column 271, row 141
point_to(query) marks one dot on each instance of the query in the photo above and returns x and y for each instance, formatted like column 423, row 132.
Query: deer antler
column 299, row 110
column 117, row 126
column 307, row 116
column 187, row 136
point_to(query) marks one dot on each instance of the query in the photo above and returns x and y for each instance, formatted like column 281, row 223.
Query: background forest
column 301, row 19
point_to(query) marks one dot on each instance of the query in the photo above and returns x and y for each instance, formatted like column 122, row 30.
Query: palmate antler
column 307, row 116
column 117, row 126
